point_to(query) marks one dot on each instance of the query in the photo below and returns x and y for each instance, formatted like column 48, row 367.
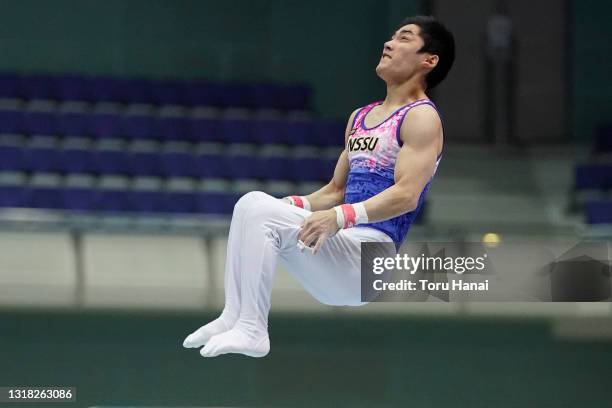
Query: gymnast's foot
column 237, row 340
column 201, row 336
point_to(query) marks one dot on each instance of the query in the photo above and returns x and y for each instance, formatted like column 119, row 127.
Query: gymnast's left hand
column 317, row 228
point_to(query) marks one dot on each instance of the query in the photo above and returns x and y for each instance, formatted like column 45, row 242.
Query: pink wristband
column 349, row 215
column 297, row 201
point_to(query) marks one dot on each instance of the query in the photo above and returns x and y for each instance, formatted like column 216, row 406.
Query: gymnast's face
column 400, row 59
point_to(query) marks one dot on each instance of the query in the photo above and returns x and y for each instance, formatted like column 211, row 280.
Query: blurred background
column 128, row 130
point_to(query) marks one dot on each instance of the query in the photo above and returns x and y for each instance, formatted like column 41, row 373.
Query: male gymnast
column 392, row 151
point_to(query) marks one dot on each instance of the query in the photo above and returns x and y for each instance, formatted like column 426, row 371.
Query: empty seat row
column 116, row 194
column 146, row 202
column 225, row 130
column 593, row 176
column 166, row 164
column 117, row 200
column 160, row 92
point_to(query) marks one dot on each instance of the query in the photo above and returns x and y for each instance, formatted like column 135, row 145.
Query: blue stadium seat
column 313, row 169
column 112, row 200
column 273, row 168
column 301, row 133
column 96, row 89
column 45, row 197
column 11, row 121
column 37, row 87
column 14, row 196
column 205, row 130
column 241, row 166
column 78, row 198
column 70, row 88
column 212, row 166
column 40, row 123
column 235, row 95
column 267, row 131
column 169, row 93
column 215, row 202
column 146, row 201
column 73, row 123
column 135, row 91
column 42, row 159
column 178, row 164
column 139, row 127
column 144, row 163
column 9, row 85
column 599, row 212
column 326, row 171
column 111, row 162
column 179, row 202
column 328, row 133
column 231, row 198
column 203, row 93
column 105, row 125
column 236, row 130
column 12, row 158
column 75, row 160
column 103, row 89
column 176, row 128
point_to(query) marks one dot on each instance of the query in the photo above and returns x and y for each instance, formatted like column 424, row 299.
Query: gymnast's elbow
column 406, row 201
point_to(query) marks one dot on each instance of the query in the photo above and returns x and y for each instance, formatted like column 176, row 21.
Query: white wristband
column 306, row 203
column 361, row 216
column 339, row 216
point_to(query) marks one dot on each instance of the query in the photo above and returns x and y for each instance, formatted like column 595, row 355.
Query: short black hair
column 438, row 40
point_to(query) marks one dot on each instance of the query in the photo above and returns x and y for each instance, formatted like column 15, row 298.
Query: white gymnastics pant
column 263, row 231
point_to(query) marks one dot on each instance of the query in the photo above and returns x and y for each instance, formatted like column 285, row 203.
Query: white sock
column 202, row 335
column 232, row 276
column 238, row 341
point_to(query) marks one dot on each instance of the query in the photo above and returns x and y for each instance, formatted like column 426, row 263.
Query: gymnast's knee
column 248, row 199
column 260, row 212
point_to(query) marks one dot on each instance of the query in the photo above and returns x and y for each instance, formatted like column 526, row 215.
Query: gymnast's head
column 421, row 49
